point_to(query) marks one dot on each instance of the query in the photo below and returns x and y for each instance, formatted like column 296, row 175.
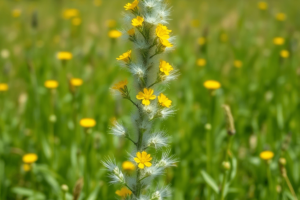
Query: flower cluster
column 151, row 38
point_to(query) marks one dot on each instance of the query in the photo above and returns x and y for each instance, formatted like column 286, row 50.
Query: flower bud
column 226, row 165
column 282, row 161
column 208, row 126
column 65, row 188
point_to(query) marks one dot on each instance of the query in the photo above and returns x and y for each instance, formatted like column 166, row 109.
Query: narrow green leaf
column 210, row 181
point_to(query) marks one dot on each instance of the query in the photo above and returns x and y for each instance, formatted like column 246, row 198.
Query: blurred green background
column 233, row 38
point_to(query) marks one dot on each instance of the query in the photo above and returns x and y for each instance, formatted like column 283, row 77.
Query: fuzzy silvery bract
column 146, row 27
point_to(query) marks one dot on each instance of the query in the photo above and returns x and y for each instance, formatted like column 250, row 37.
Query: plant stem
column 288, row 182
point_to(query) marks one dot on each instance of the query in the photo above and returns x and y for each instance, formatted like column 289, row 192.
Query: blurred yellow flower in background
column 201, row 40
column 278, row 41
column 70, row 13
column 131, row 6
column 201, row 62
column 16, row 13
column 165, row 67
column 224, row 37
column 212, row 85
column 76, row 82
column 164, row 101
column 114, row 34
column 111, row 23
column 238, row 63
column 131, row 32
column 281, row 17
column 64, row 55
column 195, row 23
column 146, row 96
column 143, row 159
column 284, row 53
column 26, row 167
column 125, row 56
column 30, row 158
column 97, row 2
column 138, row 21
column 128, row 166
column 266, row 155
column 51, row 84
column 120, row 85
column 124, row 192
column 87, row 122
column 3, row 87
column 262, row 5
column 76, row 21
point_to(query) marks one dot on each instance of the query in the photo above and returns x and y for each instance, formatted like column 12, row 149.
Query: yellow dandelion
column 3, row 87
column 164, row 101
column 51, row 84
column 143, row 159
column 120, row 85
column 284, row 53
column 201, row 62
column 212, row 85
column 76, row 21
column 114, row 34
column 30, row 158
column 238, row 63
column 16, row 13
column 26, row 167
column 165, row 43
column 131, row 6
column 64, row 55
column 76, row 82
column 266, row 155
column 126, row 57
column 281, row 17
column 146, row 96
column 165, row 67
column 131, row 32
column 262, row 5
column 87, row 122
column 278, row 41
column 128, row 166
column 201, row 41
column 70, row 13
column 124, row 192
column 162, row 32
column 111, row 23
column 137, row 22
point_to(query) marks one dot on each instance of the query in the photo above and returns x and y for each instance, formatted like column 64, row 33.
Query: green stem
column 270, row 180
column 288, row 182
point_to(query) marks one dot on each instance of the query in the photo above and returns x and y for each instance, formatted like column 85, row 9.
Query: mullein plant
column 151, row 38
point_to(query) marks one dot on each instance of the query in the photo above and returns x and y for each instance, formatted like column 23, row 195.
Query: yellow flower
column 114, row 34
column 143, row 159
column 284, row 53
column 212, row 85
column 201, row 62
column 120, row 86
column 70, row 13
column 165, row 43
column 266, row 155
column 97, row 2
column 162, row 32
column 76, row 82
column 125, row 56
column 262, row 5
column 76, row 21
column 281, row 17
column 201, row 41
column 164, row 101
column 131, row 6
column 165, row 67
column 111, row 23
column 30, row 158
column 128, row 166
column 278, row 41
column 146, row 96
column 138, row 21
column 238, row 63
column 26, row 167
column 16, row 13
column 3, row 87
column 131, row 32
column 124, row 192
column 64, row 55
column 51, row 84
column 87, row 122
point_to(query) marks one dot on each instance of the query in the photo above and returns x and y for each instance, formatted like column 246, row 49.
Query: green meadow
column 250, row 48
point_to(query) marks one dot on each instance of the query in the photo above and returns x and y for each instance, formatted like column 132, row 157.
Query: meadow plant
column 151, row 38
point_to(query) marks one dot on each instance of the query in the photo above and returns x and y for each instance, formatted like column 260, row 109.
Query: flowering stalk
column 151, row 39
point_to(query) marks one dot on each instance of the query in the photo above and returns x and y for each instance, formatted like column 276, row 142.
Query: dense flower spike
column 151, row 38
column 146, row 96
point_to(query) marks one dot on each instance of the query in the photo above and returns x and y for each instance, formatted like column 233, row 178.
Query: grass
column 263, row 95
